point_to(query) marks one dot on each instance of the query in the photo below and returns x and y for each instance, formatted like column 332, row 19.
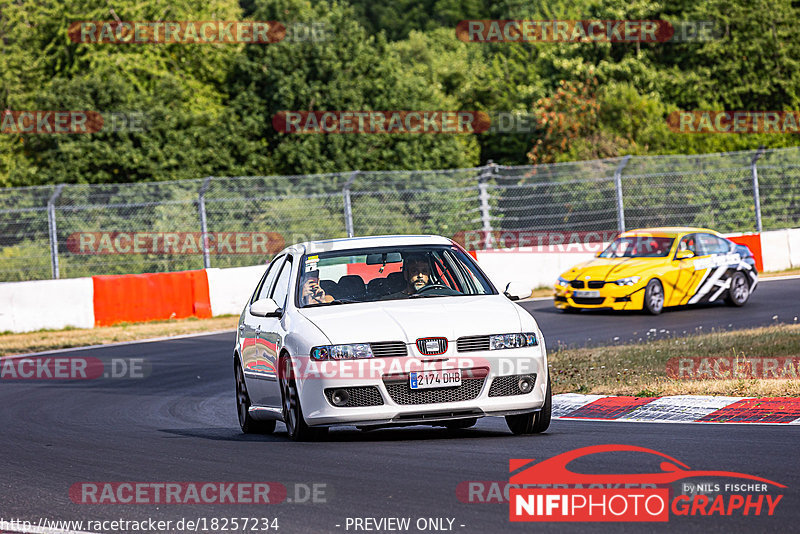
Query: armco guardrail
column 68, row 231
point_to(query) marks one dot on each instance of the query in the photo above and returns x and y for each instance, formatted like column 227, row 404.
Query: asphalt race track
column 179, row 424
column 773, row 301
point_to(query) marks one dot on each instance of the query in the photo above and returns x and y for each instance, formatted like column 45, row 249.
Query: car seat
column 352, row 286
column 330, row 288
column 395, row 282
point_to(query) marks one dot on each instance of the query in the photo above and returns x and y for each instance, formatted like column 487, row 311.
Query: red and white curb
column 678, row 409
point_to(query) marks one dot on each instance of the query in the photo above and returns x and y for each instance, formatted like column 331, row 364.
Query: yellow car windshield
column 638, row 247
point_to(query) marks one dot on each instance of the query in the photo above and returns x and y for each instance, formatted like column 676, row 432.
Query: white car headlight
column 512, row 341
column 562, row 281
column 353, row 351
column 629, row 281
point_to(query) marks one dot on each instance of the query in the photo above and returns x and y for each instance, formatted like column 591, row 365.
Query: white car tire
column 292, row 411
column 246, row 422
column 534, row 422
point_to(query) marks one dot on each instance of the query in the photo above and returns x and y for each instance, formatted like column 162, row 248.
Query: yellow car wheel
column 654, row 297
column 739, row 291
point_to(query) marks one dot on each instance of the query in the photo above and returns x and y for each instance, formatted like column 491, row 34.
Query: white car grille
column 472, row 343
column 389, row 349
column 471, row 386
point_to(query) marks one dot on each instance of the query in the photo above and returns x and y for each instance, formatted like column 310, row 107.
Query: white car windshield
column 388, row 273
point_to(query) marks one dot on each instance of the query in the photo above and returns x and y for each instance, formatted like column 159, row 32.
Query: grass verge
column 787, row 272
column 641, row 369
column 60, row 339
column 541, row 292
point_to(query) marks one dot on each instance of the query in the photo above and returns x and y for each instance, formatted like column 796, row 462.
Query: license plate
column 586, row 294
column 435, row 379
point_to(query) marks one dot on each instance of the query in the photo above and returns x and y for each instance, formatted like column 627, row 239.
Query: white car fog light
column 525, row 384
column 340, row 397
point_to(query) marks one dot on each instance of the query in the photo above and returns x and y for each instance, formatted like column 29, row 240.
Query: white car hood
column 408, row 320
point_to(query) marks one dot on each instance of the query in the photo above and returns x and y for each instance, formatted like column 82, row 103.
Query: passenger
column 312, row 293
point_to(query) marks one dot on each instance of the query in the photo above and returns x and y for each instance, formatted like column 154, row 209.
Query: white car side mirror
column 265, row 308
column 518, row 290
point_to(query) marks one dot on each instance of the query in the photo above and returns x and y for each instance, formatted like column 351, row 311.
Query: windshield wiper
column 335, row 301
column 427, row 295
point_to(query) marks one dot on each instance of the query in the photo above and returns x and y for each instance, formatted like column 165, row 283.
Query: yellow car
column 650, row 268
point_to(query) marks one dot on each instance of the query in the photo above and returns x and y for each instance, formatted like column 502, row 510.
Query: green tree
column 350, row 71
column 179, row 87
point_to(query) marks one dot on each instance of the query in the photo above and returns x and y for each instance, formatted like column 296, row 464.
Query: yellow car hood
column 611, row 268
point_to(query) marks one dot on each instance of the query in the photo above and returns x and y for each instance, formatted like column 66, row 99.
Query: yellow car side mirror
column 684, row 254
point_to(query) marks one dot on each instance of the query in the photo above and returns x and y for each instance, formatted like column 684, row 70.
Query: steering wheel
column 432, row 286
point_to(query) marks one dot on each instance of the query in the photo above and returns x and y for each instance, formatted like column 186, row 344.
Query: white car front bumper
column 382, row 396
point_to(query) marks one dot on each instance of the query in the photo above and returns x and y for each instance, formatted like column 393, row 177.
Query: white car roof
column 332, row 245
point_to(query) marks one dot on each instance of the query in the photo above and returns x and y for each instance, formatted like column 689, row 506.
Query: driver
column 311, row 292
column 416, row 273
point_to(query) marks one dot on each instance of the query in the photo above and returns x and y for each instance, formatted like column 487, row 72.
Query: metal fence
column 729, row 192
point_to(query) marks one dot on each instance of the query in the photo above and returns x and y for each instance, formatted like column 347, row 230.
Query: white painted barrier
column 537, row 269
column 229, row 289
column 775, row 250
column 54, row 304
column 794, row 247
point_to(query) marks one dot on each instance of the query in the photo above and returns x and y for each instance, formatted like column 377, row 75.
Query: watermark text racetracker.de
column 49, row 122
column 733, row 368
column 734, row 122
column 404, row 122
column 192, row 493
column 175, row 243
column 389, row 367
column 535, row 240
column 586, row 31
column 72, row 368
column 180, row 32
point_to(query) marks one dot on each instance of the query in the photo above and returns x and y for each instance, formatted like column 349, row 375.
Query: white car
column 386, row 331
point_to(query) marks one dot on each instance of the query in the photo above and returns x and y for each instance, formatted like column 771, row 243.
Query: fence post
column 483, row 196
column 201, row 207
column 51, row 223
column 756, row 194
column 348, row 209
column 618, row 186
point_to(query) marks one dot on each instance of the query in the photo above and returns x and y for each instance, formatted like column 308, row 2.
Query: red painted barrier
column 149, row 297
column 370, row 272
column 753, row 242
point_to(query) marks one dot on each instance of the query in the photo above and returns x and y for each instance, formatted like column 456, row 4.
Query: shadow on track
column 344, row 435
